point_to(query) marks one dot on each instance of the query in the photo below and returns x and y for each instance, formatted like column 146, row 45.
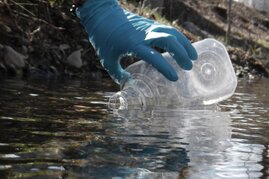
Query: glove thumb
column 113, row 67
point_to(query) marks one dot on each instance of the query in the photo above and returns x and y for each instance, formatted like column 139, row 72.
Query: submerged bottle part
column 211, row 80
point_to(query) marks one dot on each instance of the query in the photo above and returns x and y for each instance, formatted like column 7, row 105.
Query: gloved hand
column 115, row 32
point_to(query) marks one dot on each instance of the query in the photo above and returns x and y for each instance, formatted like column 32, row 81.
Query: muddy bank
column 47, row 40
column 41, row 40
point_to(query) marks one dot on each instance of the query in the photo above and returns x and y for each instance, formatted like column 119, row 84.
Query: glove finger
column 113, row 67
column 176, row 50
column 157, row 61
column 181, row 38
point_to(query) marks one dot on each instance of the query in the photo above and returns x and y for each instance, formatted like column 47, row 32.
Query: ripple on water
column 65, row 130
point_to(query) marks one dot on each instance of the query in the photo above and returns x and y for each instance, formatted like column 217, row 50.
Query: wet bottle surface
column 211, row 80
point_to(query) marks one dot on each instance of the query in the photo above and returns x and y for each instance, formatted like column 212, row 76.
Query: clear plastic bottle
column 211, row 80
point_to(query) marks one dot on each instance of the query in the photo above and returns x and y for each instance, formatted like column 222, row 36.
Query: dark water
column 64, row 130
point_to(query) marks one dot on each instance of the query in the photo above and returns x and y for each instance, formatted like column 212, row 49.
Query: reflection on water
column 189, row 137
column 64, row 130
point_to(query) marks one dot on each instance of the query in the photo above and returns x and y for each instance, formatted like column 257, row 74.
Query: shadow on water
column 64, row 130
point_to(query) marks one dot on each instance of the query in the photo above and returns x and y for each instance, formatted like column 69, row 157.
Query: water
column 64, row 130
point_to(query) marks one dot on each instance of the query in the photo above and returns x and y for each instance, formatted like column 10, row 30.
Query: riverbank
column 51, row 44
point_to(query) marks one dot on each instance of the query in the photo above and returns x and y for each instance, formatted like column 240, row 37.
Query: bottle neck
column 129, row 98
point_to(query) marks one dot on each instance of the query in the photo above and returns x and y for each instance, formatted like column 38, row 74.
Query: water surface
column 63, row 129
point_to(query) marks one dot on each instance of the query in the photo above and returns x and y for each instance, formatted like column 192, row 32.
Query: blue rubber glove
column 115, row 32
